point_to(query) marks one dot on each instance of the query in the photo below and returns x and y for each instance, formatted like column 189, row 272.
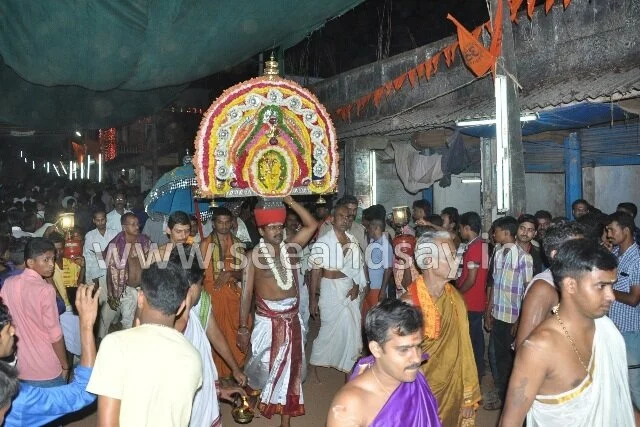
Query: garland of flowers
column 284, row 285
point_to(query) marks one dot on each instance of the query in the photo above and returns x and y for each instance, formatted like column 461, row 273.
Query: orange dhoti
column 225, row 303
column 370, row 301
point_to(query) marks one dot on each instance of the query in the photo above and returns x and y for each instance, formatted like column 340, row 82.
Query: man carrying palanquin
column 276, row 364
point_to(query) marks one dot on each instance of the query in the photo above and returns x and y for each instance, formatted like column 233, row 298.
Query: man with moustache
column 276, row 364
column 357, row 230
column 387, row 389
column 527, row 231
column 544, row 222
column 338, row 275
column 119, row 209
column 572, row 370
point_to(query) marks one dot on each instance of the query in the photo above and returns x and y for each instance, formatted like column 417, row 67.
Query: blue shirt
column 37, row 406
column 379, row 257
column 625, row 317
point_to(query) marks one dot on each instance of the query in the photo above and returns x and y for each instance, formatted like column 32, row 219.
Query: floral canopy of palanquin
column 266, row 137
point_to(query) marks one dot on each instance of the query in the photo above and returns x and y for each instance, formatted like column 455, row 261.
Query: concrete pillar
column 488, row 187
column 357, row 171
column 572, row 171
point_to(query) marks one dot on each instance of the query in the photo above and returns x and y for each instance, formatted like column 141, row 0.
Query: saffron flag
column 531, row 4
column 548, row 4
column 496, row 34
column 514, row 5
column 475, row 55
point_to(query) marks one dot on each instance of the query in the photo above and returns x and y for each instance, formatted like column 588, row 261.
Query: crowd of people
column 187, row 311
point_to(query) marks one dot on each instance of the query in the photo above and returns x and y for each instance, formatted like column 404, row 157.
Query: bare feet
column 285, row 421
column 315, row 376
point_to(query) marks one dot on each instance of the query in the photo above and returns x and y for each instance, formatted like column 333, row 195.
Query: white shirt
column 40, row 231
column 113, row 220
column 242, row 233
column 92, row 239
column 17, row 232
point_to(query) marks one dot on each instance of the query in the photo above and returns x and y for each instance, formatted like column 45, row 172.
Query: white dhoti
column 205, row 411
column 304, row 307
column 602, row 399
column 339, row 341
column 277, row 364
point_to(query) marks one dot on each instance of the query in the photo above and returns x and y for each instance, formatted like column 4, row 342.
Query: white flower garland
column 285, row 286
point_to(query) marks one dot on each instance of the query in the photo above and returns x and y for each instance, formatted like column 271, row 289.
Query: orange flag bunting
column 475, row 55
column 420, row 70
column 428, row 67
column 377, row 96
column 547, row 6
column 388, row 86
column 496, row 35
column 360, row 103
column 435, row 61
column 413, row 77
column 514, row 5
column 565, row 3
column 487, row 26
column 531, row 4
column 449, row 53
column 399, row 81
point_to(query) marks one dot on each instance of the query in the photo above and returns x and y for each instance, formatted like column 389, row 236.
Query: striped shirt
column 512, row 270
column 625, row 317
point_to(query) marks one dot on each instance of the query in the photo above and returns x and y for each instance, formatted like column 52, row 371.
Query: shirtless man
column 278, row 326
column 541, row 295
column 387, row 388
column 572, row 369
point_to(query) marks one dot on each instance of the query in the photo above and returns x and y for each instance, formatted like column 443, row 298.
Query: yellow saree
column 451, row 370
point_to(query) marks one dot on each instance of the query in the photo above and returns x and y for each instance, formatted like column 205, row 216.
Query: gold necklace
column 380, row 382
column 556, row 309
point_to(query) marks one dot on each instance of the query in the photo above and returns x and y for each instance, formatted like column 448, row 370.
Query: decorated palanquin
column 266, row 137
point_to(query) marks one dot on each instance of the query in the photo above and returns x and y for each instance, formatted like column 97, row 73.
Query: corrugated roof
column 609, row 86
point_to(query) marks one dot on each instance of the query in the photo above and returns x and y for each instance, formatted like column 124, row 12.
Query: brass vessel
column 242, row 413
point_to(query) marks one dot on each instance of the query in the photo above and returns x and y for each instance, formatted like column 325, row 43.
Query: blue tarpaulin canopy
column 576, row 116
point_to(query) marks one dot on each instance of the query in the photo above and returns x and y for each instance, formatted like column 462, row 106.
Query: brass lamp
column 67, row 221
column 401, row 215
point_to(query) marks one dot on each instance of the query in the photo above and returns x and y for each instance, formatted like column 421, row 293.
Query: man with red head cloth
column 276, row 363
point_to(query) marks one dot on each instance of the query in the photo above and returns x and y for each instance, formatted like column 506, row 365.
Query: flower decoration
column 267, row 137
